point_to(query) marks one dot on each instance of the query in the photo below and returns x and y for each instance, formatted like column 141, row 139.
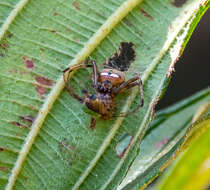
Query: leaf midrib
column 12, row 17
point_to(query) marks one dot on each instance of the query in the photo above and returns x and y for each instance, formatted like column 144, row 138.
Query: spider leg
column 141, row 95
column 96, row 73
column 129, row 84
column 66, row 79
column 125, row 85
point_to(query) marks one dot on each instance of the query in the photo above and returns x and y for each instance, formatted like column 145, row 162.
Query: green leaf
column 162, row 140
column 45, row 135
column 194, row 163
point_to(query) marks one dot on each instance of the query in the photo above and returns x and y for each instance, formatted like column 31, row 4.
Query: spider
column 109, row 82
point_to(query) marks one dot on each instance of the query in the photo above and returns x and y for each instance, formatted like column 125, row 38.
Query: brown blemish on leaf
column 4, row 46
column 55, row 14
column 18, row 124
column 40, row 90
column 1, row 55
column 1, row 149
column 4, row 169
column 53, row 31
column 44, row 81
column 28, row 118
column 76, row 5
column 127, row 22
column 92, row 123
column 28, row 62
column 178, row 3
column 161, row 143
column 143, row 12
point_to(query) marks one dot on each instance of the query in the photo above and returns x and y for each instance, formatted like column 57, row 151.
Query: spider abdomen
column 101, row 103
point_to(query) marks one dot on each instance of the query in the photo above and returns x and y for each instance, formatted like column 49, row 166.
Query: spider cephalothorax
column 109, row 82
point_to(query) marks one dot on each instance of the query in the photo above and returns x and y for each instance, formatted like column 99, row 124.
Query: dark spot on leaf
column 42, row 49
column 143, row 12
column 29, row 119
column 178, row 3
column 127, row 22
column 18, row 124
column 55, row 14
column 10, row 35
column 92, row 123
column 161, row 143
column 41, row 90
column 1, row 55
column 4, row 46
column 4, row 169
column 28, row 62
column 123, row 144
column 76, row 5
column 53, row 31
column 44, row 81
column 1, row 149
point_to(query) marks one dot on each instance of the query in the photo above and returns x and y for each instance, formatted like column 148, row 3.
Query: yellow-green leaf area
column 194, row 164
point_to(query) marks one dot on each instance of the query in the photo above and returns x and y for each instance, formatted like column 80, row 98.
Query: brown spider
column 109, row 82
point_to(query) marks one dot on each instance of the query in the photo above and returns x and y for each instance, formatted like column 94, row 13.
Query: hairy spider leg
column 127, row 85
column 95, row 71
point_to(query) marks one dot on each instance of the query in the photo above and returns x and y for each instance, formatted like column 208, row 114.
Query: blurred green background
column 192, row 71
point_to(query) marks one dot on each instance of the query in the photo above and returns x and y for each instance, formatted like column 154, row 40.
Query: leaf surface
column 45, row 136
column 161, row 144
